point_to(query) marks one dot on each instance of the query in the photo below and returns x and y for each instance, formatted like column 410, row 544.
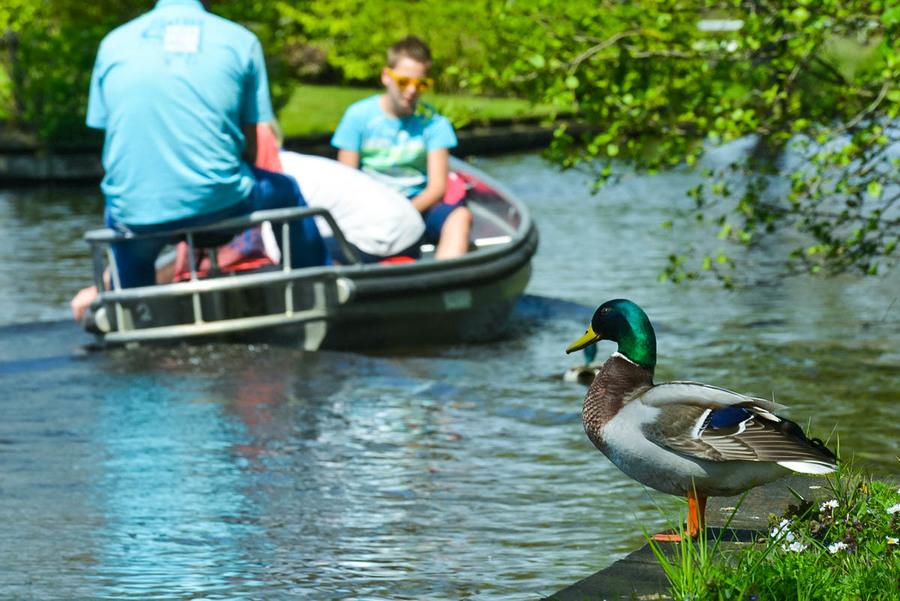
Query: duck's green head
column 622, row 321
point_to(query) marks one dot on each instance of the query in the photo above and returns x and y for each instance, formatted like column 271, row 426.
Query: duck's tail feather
column 816, row 468
column 824, row 464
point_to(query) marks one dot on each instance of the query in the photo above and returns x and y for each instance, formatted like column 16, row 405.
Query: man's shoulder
column 147, row 24
column 235, row 31
column 124, row 33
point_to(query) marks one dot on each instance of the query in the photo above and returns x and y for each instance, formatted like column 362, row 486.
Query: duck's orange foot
column 667, row 537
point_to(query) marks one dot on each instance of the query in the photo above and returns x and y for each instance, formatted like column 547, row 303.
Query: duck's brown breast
column 618, row 382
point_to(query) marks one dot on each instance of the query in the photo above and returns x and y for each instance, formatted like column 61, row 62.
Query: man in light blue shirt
column 178, row 92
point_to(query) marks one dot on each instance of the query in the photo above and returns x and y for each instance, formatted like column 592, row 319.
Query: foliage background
column 50, row 47
column 811, row 85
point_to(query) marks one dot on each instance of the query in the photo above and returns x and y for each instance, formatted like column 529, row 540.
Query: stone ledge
column 640, row 577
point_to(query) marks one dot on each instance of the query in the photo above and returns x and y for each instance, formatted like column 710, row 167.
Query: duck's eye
column 604, row 310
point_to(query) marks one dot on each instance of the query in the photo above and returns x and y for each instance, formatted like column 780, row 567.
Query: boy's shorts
column 436, row 216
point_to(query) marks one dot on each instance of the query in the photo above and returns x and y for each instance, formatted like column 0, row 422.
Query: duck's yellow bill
column 589, row 337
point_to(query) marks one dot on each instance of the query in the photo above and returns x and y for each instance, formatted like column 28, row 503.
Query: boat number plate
column 144, row 314
column 458, row 299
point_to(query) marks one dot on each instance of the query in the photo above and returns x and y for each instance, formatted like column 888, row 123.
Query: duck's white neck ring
column 621, row 356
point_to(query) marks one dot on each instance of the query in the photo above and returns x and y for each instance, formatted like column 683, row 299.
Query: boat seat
column 206, row 245
column 396, row 260
column 214, row 238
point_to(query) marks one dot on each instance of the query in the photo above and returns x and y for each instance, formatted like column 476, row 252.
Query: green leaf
column 874, row 189
column 799, row 15
column 537, row 61
column 891, row 16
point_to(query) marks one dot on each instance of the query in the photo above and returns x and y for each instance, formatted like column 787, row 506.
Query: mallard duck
column 684, row 438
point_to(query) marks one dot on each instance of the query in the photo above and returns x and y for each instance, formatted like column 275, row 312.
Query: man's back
column 172, row 89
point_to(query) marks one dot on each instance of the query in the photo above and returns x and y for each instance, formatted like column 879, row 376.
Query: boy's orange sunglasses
column 404, row 82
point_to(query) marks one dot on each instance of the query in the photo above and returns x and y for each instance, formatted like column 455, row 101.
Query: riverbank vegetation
column 315, row 109
column 845, row 545
column 810, row 89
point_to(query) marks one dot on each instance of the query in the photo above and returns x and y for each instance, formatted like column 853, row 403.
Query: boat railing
column 102, row 238
column 205, row 236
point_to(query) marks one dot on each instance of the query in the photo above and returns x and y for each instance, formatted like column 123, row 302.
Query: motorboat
column 341, row 306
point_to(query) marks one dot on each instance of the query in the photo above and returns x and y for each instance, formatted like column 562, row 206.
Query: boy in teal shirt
column 405, row 144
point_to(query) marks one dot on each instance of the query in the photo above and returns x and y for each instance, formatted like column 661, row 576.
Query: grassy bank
column 846, row 546
column 315, row 109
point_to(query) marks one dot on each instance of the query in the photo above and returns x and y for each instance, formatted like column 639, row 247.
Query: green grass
column 315, row 109
column 845, row 547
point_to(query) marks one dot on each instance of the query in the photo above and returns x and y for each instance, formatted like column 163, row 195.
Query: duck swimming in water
column 585, row 373
column 684, row 438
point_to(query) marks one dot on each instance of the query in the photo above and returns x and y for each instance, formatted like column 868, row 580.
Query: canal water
column 456, row 472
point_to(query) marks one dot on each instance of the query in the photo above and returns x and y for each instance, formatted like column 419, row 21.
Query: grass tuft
column 845, row 546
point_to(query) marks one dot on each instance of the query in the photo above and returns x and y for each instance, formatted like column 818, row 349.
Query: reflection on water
column 236, row 471
column 43, row 259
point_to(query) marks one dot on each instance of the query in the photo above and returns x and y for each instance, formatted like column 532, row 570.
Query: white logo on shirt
column 182, row 38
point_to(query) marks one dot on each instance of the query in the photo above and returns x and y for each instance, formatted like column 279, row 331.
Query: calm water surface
column 235, row 471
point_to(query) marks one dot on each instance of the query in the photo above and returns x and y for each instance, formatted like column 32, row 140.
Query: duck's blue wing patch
column 727, row 417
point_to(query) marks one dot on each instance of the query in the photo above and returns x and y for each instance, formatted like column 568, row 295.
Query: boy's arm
column 349, row 158
column 348, row 137
column 438, row 169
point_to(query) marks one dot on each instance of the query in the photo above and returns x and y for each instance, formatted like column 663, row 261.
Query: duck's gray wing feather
column 686, row 427
column 695, row 393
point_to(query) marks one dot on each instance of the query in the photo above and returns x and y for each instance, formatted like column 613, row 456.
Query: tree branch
column 602, row 46
column 869, row 109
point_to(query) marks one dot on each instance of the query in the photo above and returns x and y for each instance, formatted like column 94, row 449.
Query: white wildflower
column 892, row 540
column 794, row 547
column 781, row 531
column 780, row 528
column 838, row 546
column 894, row 509
column 832, row 504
